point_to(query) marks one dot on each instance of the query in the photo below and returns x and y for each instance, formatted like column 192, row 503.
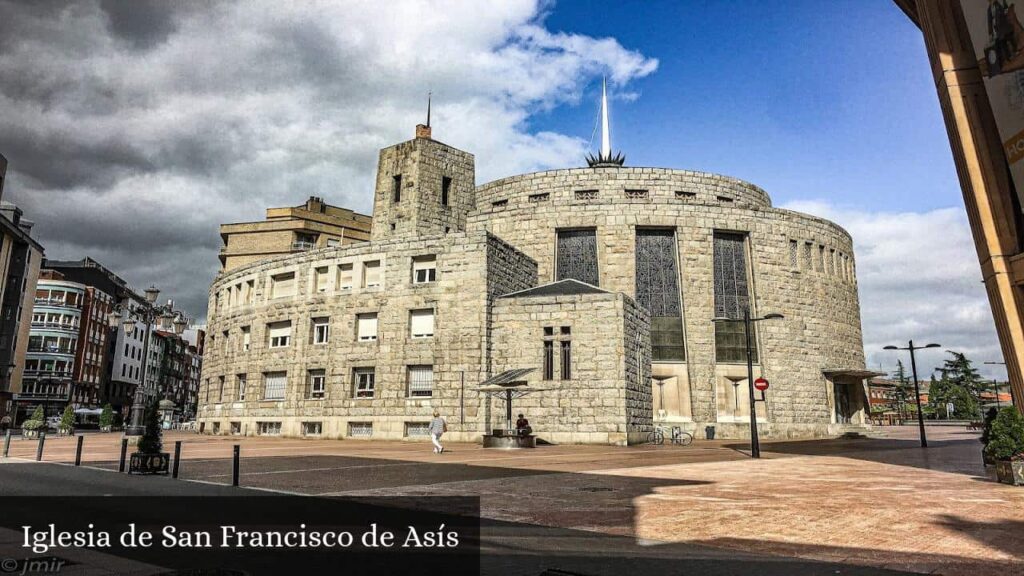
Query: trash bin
column 709, row 432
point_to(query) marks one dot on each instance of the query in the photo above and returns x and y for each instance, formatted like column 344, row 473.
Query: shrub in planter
column 1006, row 446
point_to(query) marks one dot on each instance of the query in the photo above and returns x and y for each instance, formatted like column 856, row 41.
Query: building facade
column 289, row 230
column 602, row 280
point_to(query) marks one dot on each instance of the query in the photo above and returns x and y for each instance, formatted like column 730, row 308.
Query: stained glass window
column 657, row 290
column 732, row 298
column 577, row 256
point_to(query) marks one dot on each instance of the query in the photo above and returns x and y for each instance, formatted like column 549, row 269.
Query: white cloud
column 134, row 129
column 919, row 279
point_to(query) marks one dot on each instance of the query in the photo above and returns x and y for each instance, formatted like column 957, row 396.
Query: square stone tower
column 423, row 187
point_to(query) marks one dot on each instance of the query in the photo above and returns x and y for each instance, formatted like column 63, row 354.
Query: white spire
column 606, row 137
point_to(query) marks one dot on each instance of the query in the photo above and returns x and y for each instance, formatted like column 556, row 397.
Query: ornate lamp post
column 917, row 389
column 748, row 324
column 148, row 313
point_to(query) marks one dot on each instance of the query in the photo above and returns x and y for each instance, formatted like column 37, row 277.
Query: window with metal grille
column 424, row 269
column 321, row 330
column 421, row 323
column 274, row 385
column 421, row 381
column 577, row 256
column 566, row 360
column 360, row 429
column 657, row 290
column 414, row 429
column 732, row 298
column 316, row 384
column 363, row 381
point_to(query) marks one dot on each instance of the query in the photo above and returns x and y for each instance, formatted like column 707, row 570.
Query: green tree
column 1006, row 441
column 152, row 438
column 107, row 416
column 67, row 419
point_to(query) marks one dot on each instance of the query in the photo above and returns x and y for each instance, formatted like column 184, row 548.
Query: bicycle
column 677, row 436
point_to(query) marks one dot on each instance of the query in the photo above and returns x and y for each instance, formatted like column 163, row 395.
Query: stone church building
column 601, row 280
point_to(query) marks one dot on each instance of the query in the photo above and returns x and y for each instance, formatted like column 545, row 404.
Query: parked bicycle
column 676, row 435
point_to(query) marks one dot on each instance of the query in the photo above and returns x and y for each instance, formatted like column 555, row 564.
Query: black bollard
column 7, row 442
column 39, row 449
column 78, row 451
column 124, row 452
column 177, row 458
column 234, row 467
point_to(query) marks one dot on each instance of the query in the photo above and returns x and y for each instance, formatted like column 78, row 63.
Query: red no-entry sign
column 761, row 384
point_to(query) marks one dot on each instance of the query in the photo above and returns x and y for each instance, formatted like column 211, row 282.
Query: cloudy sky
column 134, row 128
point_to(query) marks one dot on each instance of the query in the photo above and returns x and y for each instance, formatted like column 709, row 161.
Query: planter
column 142, row 463
column 29, row 434
column 1010, row 472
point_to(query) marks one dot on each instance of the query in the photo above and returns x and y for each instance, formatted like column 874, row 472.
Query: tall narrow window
column 446, row 188
column 577, row 256
column 396, row 188
column 732, row 298
column 421, row 323
column 316, row 384
column 366, row 327
column 421, row 381
column 371, row 274
column 274, row 384
column 657, row 290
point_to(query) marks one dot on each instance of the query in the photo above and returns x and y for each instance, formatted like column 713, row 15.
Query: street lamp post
column 917, row 389
column 755, row 443
column 149, row 312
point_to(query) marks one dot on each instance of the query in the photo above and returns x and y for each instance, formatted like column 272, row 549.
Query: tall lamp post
column 917, row 389
column 147, row 313
column 748, row 322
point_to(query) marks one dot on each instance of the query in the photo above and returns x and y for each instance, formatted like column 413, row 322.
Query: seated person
column 523, row 426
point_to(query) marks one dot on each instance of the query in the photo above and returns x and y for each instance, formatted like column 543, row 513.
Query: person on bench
column 523, row 427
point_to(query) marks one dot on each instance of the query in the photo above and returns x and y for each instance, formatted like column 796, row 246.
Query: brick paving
column 878, row 502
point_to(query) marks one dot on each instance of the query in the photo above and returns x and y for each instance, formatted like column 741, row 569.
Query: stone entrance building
column 604, row 280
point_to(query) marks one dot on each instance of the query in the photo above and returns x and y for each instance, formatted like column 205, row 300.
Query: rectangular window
column 566, row 359
column 657, row 290
column 282, row 285
column 732, row 298
column 312, row 428
column 363, row 382
column 396, row 188
column 344, row 276
column 274, row 385
column 316, row 385
column 549, row 360
column 424, row 269
column 421, row 323
column 366, row 327
column 577, row 256
column 268, row 428
column 360, row 429
column 246, row 339
column 320, row 275
column 371, row 274
column 446, row 188
column 321, row 330
column 241, row 381
column 421, row 381
column 417, row 429
column 279, row 334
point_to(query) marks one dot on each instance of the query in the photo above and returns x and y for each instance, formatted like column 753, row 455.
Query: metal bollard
column 78, row 450
column 124, row 452
column 177, row 459
column 39, row 449
column 7, row 442
column 234, row 467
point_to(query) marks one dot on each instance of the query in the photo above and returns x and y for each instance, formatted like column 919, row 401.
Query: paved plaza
column 873, row 503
